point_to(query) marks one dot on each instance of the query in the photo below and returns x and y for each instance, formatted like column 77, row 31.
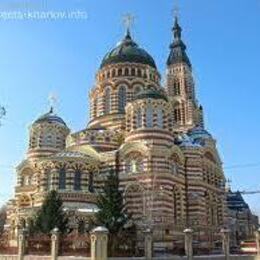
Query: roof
column 128, row 51
column 178, row 48
column 235, row 201
column 50, row 117
column 199, row 132
column 151, row 93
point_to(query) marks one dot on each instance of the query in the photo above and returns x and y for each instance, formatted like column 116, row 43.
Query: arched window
column 122, row 99
column 176, row 88
column 62, row 179
column 139, row 118
column 48, row 181
column 159, row 118
column 134, row 166
column 133, row 72
column 95, row 107
column 81, row 227
column 126, row 72
column 137, row 89
column 134, row 163
column 49, row 139
column 91, row 182
column 149, row 117
column 77, row 180
column 22, row 181
column 177, row 115
column 107, row 100
column 139, row 73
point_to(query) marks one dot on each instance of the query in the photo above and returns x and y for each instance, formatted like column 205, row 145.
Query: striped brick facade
column 168, row 164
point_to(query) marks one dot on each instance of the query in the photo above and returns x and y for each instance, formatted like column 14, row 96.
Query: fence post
column 99, row 239
column 188, row 243
column 257, row 237
column 55, row 237
column 21, row 244
column 148, row 244
column 225, row 242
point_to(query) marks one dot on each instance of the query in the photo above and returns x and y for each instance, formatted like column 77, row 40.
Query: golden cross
column 128, row 21
column 53, row 100
column 176, row 9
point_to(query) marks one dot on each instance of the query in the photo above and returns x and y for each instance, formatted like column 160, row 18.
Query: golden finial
column 128, row 20
column 176, row 10
column 53, row 100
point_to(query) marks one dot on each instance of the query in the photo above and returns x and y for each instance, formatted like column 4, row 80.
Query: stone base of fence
column 28, row 257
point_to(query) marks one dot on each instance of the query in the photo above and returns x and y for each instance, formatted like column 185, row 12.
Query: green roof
column 128, row 51
column 151, row 93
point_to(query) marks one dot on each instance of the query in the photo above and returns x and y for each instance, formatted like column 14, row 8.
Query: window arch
column 91, row 182
column 122, row 98
column 107, row 100
column 159, row 118
column 149, row 117
column 77, row 180
column 62, row 179
column 139, row 118
column 137, row 89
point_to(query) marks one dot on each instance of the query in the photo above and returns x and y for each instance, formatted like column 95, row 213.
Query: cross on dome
column 53, row 100
column 128, row 20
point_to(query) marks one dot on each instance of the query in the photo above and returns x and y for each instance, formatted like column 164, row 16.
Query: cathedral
column 151, row 134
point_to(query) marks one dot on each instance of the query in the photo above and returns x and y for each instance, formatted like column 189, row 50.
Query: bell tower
column 180, row 84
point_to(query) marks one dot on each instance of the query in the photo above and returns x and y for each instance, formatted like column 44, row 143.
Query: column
column 188, row 243
column 99, row 240
column 148, row 244
column 21, row 244
column 55, row 244
column 225, row 242
column 257, row 236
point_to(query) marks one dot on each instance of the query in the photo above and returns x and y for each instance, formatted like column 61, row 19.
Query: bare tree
column 2, row 113
column 3, row 214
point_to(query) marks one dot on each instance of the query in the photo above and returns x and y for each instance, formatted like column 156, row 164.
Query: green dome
column 151, row 93
column 128, row 51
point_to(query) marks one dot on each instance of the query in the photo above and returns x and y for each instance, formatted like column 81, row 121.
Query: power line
column 241, row 166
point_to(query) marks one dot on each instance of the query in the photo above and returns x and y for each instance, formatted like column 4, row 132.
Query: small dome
column 50, row 117
column 151, row 93
column 128, row 51
column 199, row 133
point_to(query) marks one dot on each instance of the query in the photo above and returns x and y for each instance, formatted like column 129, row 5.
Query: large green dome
column 128, row 51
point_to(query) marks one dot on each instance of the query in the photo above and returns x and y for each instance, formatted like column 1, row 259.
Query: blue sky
column 40, row 56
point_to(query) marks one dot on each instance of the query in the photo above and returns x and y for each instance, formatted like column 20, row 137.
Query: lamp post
column 225, row 242
column 257, row 236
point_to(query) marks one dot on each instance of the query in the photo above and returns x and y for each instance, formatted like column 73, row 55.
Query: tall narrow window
column 121, row 99
column 48, row 181
column 90, row 182
column 160, row 118
column 139, row 118
column 177, row 90
column 149, row 117
column 107, row 100
column 62, row 179
column 77, row 180
column 94, row 107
